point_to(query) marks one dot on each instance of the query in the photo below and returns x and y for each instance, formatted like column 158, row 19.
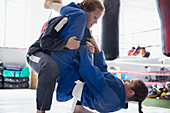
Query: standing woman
column 65, row 46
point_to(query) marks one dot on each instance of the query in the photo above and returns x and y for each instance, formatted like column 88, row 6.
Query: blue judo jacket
column 102, row 91
column 75, row 27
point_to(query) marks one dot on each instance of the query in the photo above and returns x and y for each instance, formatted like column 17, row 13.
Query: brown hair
column 141, row 92
column 91, row 5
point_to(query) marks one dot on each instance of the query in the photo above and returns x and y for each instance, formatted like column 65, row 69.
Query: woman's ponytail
column 140, row 107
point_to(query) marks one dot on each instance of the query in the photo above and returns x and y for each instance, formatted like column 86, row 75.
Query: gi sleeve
column 101, row 94
column 49, row 39
column 99, row 61
column 54, row 44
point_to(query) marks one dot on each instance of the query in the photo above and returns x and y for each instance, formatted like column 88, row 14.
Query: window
column 13, row 23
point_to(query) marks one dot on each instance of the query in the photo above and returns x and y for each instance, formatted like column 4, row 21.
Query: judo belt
column 34, row 58
column 77, row 91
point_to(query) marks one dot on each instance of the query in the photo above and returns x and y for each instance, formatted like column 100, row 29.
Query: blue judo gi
column 102, row 91
column 75, row 27
column 65, row 58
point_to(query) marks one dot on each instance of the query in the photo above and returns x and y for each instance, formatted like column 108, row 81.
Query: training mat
column 16, row 80
column 11, row 85
column 162, row 103
column 23, row 73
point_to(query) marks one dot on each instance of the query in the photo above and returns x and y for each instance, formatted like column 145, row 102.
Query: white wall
column 38, row 17
column 13, row 56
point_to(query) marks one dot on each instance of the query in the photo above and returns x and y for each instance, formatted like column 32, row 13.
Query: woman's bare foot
column 81, row 109
column 48, row 3
column 38, row 111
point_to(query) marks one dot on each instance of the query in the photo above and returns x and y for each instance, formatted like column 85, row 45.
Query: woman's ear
column 131, row 92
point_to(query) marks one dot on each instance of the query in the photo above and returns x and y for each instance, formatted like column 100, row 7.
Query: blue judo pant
column 48, row 72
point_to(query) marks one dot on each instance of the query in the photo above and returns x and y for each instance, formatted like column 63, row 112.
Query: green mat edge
column 162, row 103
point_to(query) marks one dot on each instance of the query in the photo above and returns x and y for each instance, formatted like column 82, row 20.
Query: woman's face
column 92, row 17
column 129, row 84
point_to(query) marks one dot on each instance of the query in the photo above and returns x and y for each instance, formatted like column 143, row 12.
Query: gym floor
column 23, row 101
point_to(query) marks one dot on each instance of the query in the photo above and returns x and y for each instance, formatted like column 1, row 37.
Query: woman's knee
column 52, row 69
